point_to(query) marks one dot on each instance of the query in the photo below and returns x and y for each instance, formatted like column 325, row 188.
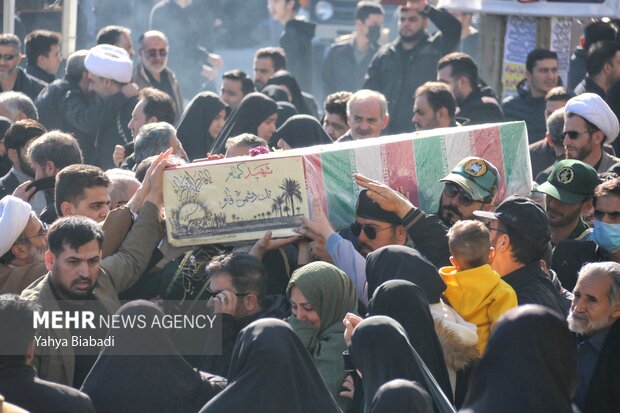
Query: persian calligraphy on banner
column 519, row 41
column 234, row 201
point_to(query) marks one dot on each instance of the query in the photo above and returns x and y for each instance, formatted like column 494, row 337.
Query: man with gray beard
column 152, row 69
column 593, row 317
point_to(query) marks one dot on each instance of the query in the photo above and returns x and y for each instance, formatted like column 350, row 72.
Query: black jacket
column 429, row 235
column 114, row 132
column 276, row 306
column 341, row 70
column 397, row 73
column 19, row 385
column 576, row 68
column 542, row 156
column 481, row 106
column 296, row 42
column 40, row 74
column 523, row 106
column 532, row 286
column 603, row 395
column 62, row 105
column 8, row 183
column 570, row 255
column 28, row 85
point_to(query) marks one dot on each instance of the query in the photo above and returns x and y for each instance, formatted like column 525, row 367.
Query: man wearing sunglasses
column 238, row 282
column 152, row 69
column 589, row 123
column 13, row 77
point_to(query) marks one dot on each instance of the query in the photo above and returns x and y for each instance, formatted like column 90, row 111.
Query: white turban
column 14, row 216
column 595, row 110
column 109, row 62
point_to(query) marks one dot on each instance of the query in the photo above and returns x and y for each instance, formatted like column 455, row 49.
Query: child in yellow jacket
column 474, row 289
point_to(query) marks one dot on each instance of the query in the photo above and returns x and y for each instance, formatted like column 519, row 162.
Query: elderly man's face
column 154, row 54
column 591, row 310
column 366, row 119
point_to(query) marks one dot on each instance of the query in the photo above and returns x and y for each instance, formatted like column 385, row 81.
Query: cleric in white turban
column 109, row 62
column 595, row 110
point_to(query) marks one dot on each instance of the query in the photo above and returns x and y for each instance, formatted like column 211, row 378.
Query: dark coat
column 8, row 183
column 28, row 85
column 481, row 106
column 276, row 306
column 532, row 286
column 114, row 132
column 603, row 395
column 387, row 67
column 341, row 71
column 40, row 74
column 20, row 385
column 577, row 68
column 296, row 42
column 542, row 156
column 523, row 106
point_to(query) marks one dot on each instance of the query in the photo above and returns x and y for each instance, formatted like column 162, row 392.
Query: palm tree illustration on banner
column 292, row 190
column 276, row 206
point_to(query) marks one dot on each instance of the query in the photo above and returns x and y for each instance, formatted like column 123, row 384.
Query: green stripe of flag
column 430, row 159
column 341, row 191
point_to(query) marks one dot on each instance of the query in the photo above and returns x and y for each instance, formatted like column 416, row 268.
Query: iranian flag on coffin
column 414, row 163
column 238, row 199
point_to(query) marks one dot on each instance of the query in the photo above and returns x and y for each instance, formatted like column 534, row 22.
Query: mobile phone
column 43, row 183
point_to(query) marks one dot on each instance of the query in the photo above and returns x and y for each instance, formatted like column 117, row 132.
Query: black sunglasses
column 573, row 134
column 8, row 57
column 152, row 53
column 369, row 230
column 451, row 190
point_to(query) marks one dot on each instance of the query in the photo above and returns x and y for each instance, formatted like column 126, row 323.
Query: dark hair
column 591, row 127
column 8, row 39
column 74, row 232
column 336, row 103
column 366, row 8
column 523, row 249
column 73, row 180
column 247, row 273
column 158, row 104
column 438, row 96
column 611, row 187
column 597, row 31
column 142, row 167
column 16, row 328
column 39, row 43
column 58, row 147
column 21, row 132
column 557, row 94
column 111, row 34
column 599, row 54
column 462, row 65
column 247, row 86
column 276, row 54
column 536, row 55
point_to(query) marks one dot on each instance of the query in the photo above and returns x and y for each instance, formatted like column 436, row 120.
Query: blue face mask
column 607, row 236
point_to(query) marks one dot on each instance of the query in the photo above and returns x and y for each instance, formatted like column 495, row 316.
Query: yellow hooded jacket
column 480, row 296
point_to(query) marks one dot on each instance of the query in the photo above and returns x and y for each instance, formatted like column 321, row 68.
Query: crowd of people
column 484, row 305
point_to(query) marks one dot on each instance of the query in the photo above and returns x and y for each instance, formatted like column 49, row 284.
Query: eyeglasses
column 152, row 53
column 42, row 233
column 8, row 57
column 212, row 293
column 451, row 190
column 573, row 134
column 369, row 230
